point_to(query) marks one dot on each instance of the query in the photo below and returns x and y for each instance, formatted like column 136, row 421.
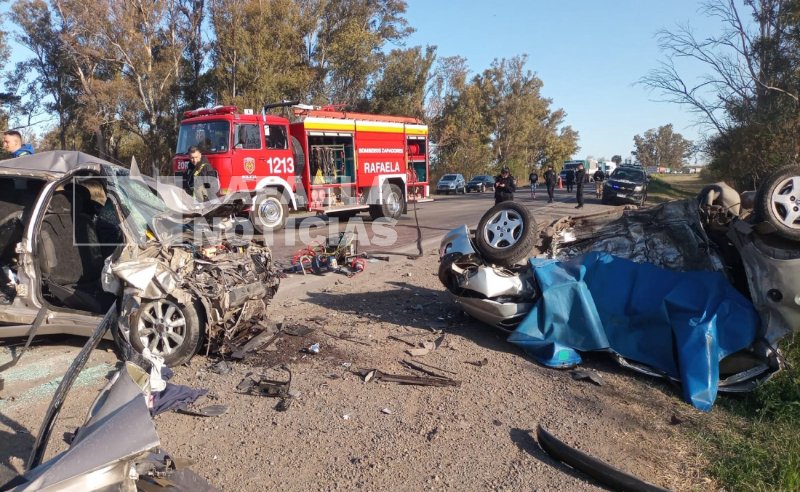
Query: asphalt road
column 435, row 218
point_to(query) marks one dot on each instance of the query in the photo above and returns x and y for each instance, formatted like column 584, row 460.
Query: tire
column 778, row 202
column 172, row 330
column 392, row 206
column 445, row 270
column 270, row 211
column 506, row 233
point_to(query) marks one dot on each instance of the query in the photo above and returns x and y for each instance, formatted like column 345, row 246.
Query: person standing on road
column 550, row 180
column 504, row 186
column 570, row 179
column 599, row 176
column 12, row 143
column 534, row 179
column 199, row 176
column 580, row 177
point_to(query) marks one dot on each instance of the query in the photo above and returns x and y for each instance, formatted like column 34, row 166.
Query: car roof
column 56, row 162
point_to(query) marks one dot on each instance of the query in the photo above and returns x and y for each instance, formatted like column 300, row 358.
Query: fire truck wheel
column 392, row 206
column 270, row 211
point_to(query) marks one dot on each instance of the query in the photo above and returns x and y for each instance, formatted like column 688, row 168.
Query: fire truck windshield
column 208, row 136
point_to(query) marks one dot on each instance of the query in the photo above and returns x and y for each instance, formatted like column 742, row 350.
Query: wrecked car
column 116, row 448
column 78, row 233
column 697, row 291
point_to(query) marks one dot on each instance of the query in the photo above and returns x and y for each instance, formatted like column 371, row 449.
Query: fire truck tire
column 270, row 211
column 392, row 206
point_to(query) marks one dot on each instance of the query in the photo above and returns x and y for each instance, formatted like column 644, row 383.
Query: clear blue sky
column 588, row 53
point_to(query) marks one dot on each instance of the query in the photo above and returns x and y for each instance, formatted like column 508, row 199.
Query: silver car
column 78, row 233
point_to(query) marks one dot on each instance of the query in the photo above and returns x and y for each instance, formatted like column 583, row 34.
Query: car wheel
column 270, row 211
column 506, row 233
column 392, row 206
column 446, row 271
column 778, row 201
column 168, row 328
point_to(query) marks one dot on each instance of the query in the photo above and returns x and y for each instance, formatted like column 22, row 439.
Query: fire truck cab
column 322, row 160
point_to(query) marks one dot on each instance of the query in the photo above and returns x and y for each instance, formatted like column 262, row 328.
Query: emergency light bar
column 209, row 111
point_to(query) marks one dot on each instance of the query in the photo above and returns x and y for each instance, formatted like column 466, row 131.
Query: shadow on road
column 415, row 307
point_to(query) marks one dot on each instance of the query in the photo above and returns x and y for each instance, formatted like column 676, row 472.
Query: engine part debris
column 376, row 375
column 414, row 367
column 313, row 349
column 262, row 340
column 266, row 387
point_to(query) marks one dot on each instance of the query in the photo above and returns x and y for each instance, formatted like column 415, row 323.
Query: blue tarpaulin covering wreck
column 679, row 323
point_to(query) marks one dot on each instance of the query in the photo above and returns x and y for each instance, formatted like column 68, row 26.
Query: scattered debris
column 347, row 338
column 376, row 375
column 298, row 330
column 263, row 339
column 599, row 470
column 207, row 411
column 591, row 376
column 346, row 417
column 222, row 368
column 387, row 411
column 392, row 337
column 434, row 367
column 478, row 363
column 266, row 387
column 418, row 352
column 313, row 349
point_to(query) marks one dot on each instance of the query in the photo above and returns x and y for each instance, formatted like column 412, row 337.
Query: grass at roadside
column 756, row 443
column 666, row 187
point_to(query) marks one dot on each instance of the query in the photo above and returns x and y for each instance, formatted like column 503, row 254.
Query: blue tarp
column 680, row 323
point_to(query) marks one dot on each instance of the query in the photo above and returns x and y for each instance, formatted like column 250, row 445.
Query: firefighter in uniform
column 504, row 186
column 199, row 176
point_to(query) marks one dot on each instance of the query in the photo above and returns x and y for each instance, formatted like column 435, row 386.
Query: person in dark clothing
column 504, row 186
column 550, row 180
column 199, row 177
column 570, row 179
column 580, row 177
column 599, row 176
column 534, row 180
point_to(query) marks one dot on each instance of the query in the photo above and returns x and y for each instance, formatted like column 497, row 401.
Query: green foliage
column 400, row 88
column 662, row 147
column 498, row 118
column 760, row 449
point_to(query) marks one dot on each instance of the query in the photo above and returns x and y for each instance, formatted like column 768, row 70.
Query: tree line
column 115, row 76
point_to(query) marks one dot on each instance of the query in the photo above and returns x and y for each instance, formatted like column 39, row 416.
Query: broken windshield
column 139, row 202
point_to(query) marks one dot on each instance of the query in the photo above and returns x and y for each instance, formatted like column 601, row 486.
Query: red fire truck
column 328, row 161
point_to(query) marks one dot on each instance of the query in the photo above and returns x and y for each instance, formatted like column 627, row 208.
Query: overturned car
column 697, row 290
column 78, row 233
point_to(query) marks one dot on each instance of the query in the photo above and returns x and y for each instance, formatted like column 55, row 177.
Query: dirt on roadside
column 341, row 433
